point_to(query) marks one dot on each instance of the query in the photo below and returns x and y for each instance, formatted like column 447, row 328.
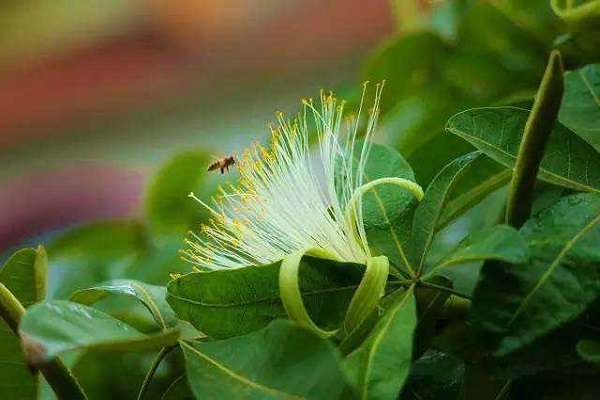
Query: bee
column 222, row 164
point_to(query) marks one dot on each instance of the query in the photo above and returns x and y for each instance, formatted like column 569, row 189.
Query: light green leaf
column 281, row 361
column 568, row 161
column 430, row 209
column 24, row 274
column 53, row 328
column 380, row 366
column 151, row 296
column 167, row 205
column 589, row 350
column 481, row 178
column 580, row 108
column 233, row 302
column 517, row 304
column 93, row 253
column 500, row 243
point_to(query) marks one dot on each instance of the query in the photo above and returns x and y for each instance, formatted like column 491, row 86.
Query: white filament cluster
column 287, row 198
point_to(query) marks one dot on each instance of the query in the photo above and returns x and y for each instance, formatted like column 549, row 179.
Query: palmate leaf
column 517, row 304
column 580, row 108
column 281, row 361
column 24, row 274
column 53, row 328
column 380, row 366
column 233, row 302
column 568, row 161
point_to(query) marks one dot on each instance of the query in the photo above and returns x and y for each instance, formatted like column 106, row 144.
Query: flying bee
column 222, row 164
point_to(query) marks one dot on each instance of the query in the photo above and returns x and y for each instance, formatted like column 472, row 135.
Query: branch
column 59, row 377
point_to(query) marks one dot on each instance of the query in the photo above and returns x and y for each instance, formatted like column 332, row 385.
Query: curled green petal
column 367, row 296
column 364, row 301
column 355, row 200
column 409, row 185
column 289, row 289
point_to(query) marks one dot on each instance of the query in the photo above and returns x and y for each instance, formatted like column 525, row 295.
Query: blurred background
column 110, row 111
column 94, row 94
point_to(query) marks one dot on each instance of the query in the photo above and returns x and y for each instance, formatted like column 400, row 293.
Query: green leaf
column 24, row 274
column 281, row 361
column 568, row 161
column 151, row 296
column 481, row 178
column 233, row 302
column 490, row 32
column 179, row 389
column 580, row 108
column 53, row 328
column 517, row 304
column 534, row 16
column 430, row 209
column 589, row 350
column 168, row 207
column 500, row 243
column 380, row 366
column 93, row 253
column 413, row 74
column 435, row 375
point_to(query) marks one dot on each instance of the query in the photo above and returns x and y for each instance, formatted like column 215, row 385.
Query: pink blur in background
column 95, row 94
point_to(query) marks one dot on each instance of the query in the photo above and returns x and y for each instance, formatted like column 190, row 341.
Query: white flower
column 287, row 199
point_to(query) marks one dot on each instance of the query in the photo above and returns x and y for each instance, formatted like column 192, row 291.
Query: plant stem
column 535, row 136
column 159, row 358
column 62, row 381
column 11, row 309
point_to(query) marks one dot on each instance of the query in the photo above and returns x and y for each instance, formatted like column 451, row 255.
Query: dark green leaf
column 520, row 303
column 167, row 204
column 569, row 161
column 580, row 108
column 52, row 328
column 232, row 302
column 179, row 389
column 151, row 296
column 500, row 242
column 434, row 376
column 489, row 32
column 430, row 209
column 380, row 366
column 24, row 274
column 281, row 361
column 589, row 350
